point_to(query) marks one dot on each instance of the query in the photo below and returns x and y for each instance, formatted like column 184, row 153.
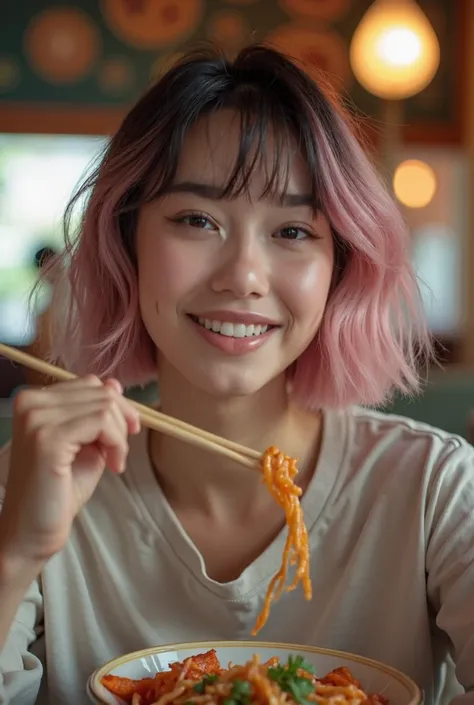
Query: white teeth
column 232, row 330
column 239, row 330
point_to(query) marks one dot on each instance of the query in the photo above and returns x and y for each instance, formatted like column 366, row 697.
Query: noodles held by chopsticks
column 200, row 680
column 279, row 471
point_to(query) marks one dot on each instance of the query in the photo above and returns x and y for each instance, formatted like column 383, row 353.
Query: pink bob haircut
column 373, row 335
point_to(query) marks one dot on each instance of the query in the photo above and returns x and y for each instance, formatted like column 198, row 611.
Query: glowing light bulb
column 414, row 183
column 394, row 52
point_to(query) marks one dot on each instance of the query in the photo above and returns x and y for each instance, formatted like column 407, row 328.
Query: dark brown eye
column 292, row 232
column 196, row 220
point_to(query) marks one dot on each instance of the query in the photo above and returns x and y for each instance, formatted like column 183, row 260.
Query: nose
column 243, row 271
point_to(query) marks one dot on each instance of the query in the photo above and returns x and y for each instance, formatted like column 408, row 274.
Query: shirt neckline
column 160, row 516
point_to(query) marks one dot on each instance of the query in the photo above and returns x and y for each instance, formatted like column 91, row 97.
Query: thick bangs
column 270, row 133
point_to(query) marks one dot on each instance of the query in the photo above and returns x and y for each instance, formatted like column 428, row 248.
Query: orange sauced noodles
column 200, row 680
column 279, row 471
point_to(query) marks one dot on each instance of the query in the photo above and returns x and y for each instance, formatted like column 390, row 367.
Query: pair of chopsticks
column 151, row 418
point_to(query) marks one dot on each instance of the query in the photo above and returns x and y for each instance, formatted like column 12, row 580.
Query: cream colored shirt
column 390, row 514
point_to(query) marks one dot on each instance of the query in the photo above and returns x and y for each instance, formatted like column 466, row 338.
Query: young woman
column 237, row 246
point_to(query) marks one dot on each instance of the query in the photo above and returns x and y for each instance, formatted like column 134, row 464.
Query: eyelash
column 181, row 220
column 307, row 232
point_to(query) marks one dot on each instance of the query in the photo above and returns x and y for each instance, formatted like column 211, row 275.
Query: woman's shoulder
column 401, row 429
column 397, row 442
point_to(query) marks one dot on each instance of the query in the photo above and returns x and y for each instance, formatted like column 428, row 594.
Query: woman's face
column 232, row 291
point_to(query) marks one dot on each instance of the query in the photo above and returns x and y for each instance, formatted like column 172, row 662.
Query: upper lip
column 237, row 317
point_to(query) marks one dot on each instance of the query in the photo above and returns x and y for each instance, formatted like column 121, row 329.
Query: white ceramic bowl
column 374, row 677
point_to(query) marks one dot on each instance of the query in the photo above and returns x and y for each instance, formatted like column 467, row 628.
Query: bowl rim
column 415, row 691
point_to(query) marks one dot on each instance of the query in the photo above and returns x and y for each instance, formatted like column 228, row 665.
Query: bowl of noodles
column 256, row 673
column 248, row 673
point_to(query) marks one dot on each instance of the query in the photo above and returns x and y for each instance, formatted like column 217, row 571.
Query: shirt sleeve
column 20, row 670
column 450, row 557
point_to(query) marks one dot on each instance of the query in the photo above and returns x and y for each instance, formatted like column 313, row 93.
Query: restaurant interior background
column 69, row 71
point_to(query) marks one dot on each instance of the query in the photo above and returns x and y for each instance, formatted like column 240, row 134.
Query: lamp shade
column 394, row 52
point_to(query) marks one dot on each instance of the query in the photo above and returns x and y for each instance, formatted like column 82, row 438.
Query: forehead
column 215, row 148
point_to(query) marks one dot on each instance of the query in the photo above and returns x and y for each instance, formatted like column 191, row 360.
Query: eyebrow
column 214, row 193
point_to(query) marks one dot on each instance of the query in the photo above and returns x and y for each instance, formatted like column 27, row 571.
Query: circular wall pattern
column 62, row 44
column 116, row 75
column 317, row 9
column 151, row 24
column 318, row 51
column 10, row 74
column 227, row 28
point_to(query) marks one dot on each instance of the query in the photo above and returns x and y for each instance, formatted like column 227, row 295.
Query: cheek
column 306, row 291
column 166, row 273
column 154, row 277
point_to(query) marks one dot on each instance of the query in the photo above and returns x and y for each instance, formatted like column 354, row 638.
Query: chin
column 225, row 386
column 223, row 389
column 221, row 379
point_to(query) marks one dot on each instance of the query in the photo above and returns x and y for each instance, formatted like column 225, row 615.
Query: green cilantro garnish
column 207, row 680
column 289, row 679
column 240, row 693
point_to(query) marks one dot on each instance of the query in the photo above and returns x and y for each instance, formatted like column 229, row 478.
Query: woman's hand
column 64, row 436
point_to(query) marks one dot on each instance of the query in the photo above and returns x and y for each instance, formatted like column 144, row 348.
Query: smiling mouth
column 232, row 330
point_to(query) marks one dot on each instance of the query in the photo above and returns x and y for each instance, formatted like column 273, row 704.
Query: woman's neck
column 193, row 477
column 242, row 419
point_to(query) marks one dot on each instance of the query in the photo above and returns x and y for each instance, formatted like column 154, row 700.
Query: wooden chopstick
column 151, row 418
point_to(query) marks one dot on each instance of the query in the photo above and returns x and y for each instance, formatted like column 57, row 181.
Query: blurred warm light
column 414, row 183
column 394, row 51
